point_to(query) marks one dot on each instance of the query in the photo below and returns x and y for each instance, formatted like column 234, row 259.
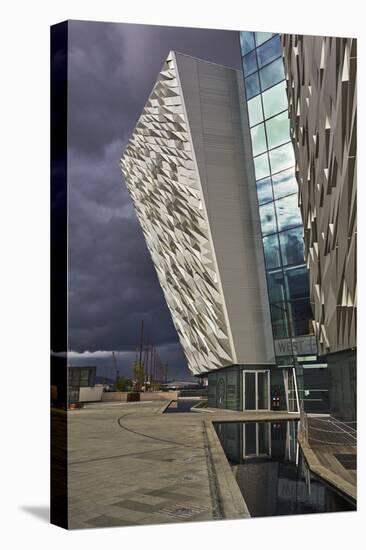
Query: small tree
column 122, row 384
column 138, row 375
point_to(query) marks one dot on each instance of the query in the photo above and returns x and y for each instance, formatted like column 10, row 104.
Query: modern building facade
column 215, row 183
column 281, row 223
column 321, row 87
column 188, row 169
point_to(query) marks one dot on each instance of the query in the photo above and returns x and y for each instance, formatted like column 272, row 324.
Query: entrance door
column 256, row 384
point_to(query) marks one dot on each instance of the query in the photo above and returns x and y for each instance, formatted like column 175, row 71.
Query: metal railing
column 304, row 425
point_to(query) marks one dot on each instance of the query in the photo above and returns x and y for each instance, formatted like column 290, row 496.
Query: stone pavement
column 128, row 464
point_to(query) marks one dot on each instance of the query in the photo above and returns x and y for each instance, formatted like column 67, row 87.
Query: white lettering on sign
column 302, row 345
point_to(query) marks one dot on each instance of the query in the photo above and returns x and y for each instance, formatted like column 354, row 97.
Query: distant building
column 82, row 386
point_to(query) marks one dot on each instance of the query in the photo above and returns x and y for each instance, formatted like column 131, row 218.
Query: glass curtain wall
column 277, row 190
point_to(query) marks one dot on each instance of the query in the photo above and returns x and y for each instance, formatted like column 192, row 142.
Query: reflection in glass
column 292, row 246
column 278, row 130
column 264, row 434
column 297, row 282
column 264, row 190
column 261, row 166
column 259, row 143
column 247, row 41
column 271, row 251
column 280, row 320
column 282, row 157
column 275, row 100
column 276, row 286
column 250, row 63
column 252, row 85
column 250, row 439
column 261, row 37
column 267, row 217
column 288, row 212
column 269, row 51
column 284, row 183
column 255, row 110
column 272, row 74
column 301, row 316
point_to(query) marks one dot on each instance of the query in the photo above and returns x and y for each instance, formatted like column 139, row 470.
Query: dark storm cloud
column 112, row 283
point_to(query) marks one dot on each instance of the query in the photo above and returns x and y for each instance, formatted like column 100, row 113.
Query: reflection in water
column 271, row 472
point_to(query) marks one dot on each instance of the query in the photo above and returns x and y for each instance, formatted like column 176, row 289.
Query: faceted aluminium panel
column 163, row 182
column 177, row 188
column 321, row 87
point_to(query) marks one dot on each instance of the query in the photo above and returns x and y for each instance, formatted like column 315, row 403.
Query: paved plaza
column 129, row 464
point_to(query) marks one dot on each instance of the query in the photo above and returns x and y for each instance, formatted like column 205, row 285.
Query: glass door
column 250, row 391
column 256, row 386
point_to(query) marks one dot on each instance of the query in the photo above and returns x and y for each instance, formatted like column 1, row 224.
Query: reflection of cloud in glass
column 269, row 51
column 247, row 41
column 255, row 110
column 278, row 130
column 250, row 63
column 275, row 100
column 264, row 190
column 267, row 217
column 252, row 85
column 284, row 183
column 259, row 143
column 288, row 212
column 272, row 74
column 261, row 37
column 261, row 166
column 271, row 251
column 282, row 157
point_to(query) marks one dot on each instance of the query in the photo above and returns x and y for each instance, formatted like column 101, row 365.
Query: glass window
column 261, row 37
column 280, row 320
column 275, row 100
column 269, row 51
column 297, row 282
column 255, row 111
column 268, row 219
column 282, row 157
column 258, row 136
column 264, row 190
column 271, row 251
column 301, row 316
column 276, row 286
column 292, row 246
column 272, row 74
column 278, row 130
column 261, row 166
column 288, row 212
column 284, row 183
column 250, row 63
column 252, row 85
column 247, row 41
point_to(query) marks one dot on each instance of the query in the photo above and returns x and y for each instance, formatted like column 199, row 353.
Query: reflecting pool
column 271, row 472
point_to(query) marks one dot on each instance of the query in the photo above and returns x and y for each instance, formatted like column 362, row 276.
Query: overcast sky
column 112, row 282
